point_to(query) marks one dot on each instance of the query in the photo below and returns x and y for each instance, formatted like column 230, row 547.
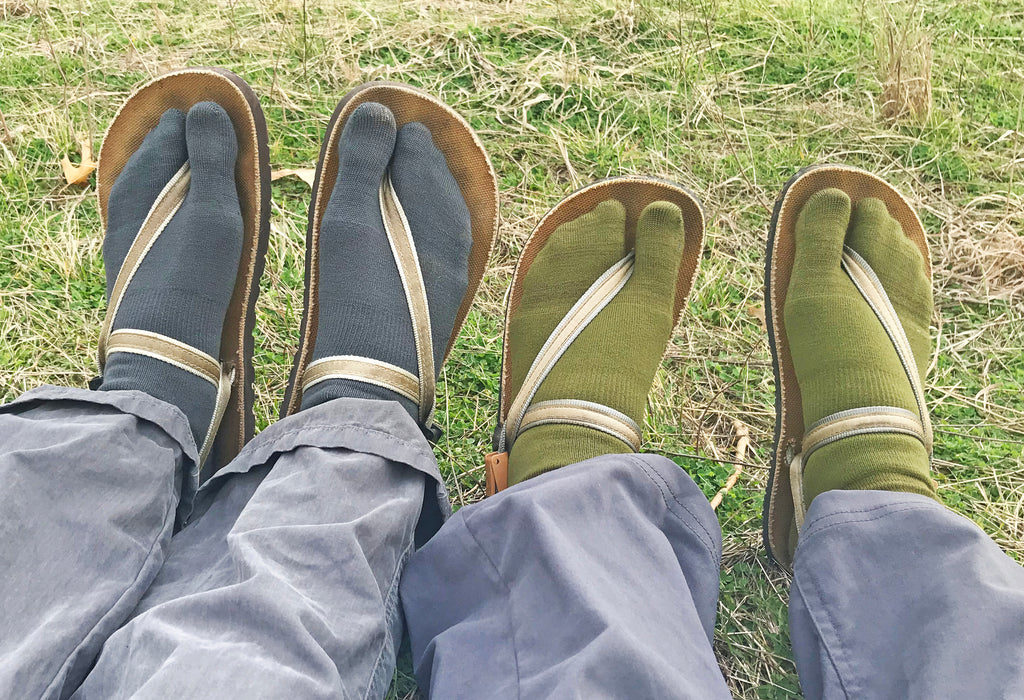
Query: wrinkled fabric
column 600, row 580
column 895, row 596
column 89, row 486
column 594, row 580
column 284, row 582
column 597, row 580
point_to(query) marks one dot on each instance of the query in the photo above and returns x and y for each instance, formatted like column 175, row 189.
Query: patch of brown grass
column 907, row 73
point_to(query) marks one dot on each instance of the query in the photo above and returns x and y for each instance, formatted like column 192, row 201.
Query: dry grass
column 727, row 98
column 907, row 88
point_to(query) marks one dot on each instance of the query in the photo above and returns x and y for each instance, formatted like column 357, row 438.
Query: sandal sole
column 468, row 163
column 635, row 193
column 777, row 512
column 182, row 89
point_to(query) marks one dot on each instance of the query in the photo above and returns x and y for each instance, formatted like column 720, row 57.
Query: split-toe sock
column 843, row 356
column 184, row 284
column 614, row 360
column 362, row 303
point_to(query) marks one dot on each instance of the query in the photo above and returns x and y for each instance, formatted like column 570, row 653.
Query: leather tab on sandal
column 496, row 472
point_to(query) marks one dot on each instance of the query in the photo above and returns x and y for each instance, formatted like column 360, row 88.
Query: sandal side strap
column 166, row 205
column 587, row 414
column 227, row 380
column 166, row 349
column 364, row 369
column 185, row 357
column 861, row 421
column 869, row 420
column 583, row 413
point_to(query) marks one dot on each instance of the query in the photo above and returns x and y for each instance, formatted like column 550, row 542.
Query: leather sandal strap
column 164, row 208
column 583, row 413
column 227, row 380
column 563, row 412
column 183, row 356
column 589, row 305
column 404, row 249
column 870, row 287
column 363, row 369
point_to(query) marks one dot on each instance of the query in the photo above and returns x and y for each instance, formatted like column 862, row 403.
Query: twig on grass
column 742, row 445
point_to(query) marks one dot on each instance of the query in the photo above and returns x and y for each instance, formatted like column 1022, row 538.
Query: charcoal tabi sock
column 363, row 309
column 183, row 286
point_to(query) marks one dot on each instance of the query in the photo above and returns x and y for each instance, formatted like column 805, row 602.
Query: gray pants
column 597, row 580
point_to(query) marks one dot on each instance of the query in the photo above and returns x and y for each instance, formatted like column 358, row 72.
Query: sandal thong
column 784, row 502
column 233, row 422
column 518, row 413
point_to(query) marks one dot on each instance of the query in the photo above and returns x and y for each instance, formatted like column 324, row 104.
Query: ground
column 729, row 99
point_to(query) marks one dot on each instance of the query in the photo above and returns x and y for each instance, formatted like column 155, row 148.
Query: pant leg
column 596, row 580
column 89, row 488
column 286, row 583
column 894, row 596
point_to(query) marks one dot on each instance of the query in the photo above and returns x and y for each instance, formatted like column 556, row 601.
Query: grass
column 727, row 98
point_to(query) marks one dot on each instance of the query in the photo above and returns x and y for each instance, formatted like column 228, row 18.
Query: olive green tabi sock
column 842, row 355
column 613, row 361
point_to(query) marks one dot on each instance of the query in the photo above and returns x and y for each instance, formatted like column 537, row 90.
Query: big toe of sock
column 820, row 232
column 364, row 150
column 900, row 267
column 660, row 238
column 209, row 231
column 212, row 152
column 817, row 274
column 147, row 172
column 352, row 233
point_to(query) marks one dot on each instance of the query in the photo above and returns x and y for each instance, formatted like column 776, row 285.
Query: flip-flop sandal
column 517, row 413
column 468, row 163
column 233, row 421
column 783, row 503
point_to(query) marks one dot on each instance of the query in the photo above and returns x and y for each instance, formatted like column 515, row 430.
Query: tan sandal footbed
column 468, row 163
column 182, row 89
column 778, row 510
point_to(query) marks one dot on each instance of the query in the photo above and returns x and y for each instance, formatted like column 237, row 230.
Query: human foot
column 183, row 285
column 363, row 306
column 612, row 362
column 844, row 359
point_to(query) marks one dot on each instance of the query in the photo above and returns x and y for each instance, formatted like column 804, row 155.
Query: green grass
column 727, row 98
